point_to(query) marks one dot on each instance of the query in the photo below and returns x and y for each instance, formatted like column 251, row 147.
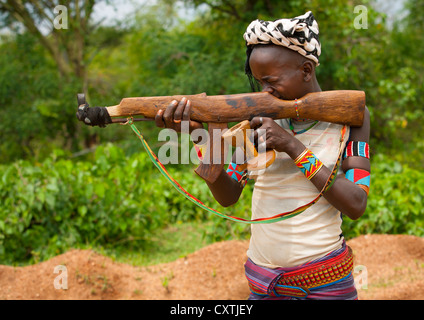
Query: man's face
column 279, row 71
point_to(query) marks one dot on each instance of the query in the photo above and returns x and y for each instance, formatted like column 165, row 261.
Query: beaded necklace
column 303, row 130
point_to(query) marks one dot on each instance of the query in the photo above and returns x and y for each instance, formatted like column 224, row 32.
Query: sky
column 120, row 9
column 124, row 8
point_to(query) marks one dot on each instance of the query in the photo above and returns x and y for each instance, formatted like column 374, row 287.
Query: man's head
column 282, row 72
column 282, row 55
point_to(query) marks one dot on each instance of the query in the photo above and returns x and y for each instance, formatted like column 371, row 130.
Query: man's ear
column 308, row 70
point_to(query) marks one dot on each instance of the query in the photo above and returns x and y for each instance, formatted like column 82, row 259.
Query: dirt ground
column 386, row 267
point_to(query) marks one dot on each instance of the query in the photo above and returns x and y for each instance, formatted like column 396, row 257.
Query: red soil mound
column 387, row 267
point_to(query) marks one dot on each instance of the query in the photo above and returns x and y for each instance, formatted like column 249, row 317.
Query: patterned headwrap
column 299, row 34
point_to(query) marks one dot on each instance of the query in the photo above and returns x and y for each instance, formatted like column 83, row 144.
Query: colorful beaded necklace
column 303, row 130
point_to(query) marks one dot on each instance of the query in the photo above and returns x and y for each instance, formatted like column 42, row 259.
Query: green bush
column 395, row 203
column 113, row 201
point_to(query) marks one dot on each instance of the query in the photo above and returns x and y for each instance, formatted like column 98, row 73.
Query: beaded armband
column 234, row 172
column 357, row 149
column 308, row 163
column 361, row 178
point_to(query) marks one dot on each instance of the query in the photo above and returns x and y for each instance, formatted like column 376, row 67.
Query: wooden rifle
column 339, row 106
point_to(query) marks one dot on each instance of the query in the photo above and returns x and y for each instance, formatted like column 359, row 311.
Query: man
column 304, row 257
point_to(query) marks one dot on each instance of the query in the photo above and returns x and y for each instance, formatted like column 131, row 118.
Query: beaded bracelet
column 297, row 110
column 357, row 149
column 234, row 172
column 308, row 163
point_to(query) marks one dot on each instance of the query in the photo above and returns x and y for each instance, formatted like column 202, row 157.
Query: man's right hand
column 176, row 112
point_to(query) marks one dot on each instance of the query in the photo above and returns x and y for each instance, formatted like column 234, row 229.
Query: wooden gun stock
column 338, row 106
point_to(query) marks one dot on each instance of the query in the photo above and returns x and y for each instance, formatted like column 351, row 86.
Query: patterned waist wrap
column 328, row 277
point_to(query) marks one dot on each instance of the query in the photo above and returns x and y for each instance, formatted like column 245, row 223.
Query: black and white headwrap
column 299, row 34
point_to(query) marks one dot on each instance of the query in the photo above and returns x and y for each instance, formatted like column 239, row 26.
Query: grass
column 166, row 245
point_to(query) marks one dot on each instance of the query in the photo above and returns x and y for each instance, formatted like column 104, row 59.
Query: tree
column 40, row 18
column 69, row 36
column 245, row 10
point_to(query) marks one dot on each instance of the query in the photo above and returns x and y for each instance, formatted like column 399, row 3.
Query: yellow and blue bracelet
column 308, row 163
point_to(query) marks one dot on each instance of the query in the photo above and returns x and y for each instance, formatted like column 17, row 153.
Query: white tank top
column 282, row 187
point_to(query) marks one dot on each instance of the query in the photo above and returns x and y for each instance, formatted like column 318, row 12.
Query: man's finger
column 187, row 111
column 256, row 122
column 179, row 110
column 159, row 119
column 168, row 115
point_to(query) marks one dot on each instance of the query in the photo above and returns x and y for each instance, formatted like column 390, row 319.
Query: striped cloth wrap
column 329, row 277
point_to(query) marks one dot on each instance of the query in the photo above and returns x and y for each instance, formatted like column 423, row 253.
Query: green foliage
column 114, row 201
column 23, row 79
column 396, row 201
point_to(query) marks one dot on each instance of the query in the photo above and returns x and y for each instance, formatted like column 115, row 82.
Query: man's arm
column 345, row 195
column 225, row 189
column 349, row 191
